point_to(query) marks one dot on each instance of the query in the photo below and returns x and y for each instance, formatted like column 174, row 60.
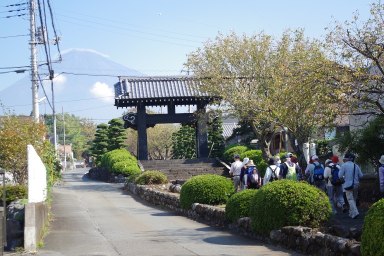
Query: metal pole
column 65, row 154
column 54, row 119
column 34, row 78
column 4, row 213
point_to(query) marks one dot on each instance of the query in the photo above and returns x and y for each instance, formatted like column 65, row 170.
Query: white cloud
column 103, row 91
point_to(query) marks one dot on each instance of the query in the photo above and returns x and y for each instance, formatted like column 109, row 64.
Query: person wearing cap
column 253, row 177
column 243, row 174
column 272, row 172
column 311, row 172
column 351, row 173
column 334, row 192
column 288, row 169
column 381, row 175
column 235, row 171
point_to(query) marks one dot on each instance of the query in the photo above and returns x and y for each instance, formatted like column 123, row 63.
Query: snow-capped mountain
column 83, row 86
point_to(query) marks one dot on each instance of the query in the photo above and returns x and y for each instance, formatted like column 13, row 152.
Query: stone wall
column 301, row 239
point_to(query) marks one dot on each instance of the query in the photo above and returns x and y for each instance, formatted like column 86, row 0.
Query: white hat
column 245, row 160
column 315, row 157
column 381, row 160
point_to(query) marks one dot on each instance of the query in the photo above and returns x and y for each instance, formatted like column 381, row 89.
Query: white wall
column 37, row 177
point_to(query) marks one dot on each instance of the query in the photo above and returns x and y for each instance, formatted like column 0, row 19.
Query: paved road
column 95, row 218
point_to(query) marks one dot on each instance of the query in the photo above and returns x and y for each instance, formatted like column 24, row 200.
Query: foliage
column 245, row 131
column 292, row 70
column 372, row 236
column 231, row 151
column 151, row 177
column 184, row 142
column 160, row 141
column 323, row 148
column 100, row 143
column 358, row 46
column 13, row 192
column 238, row 204
column 367, row 143
column 126, row 168
column 114, row 156
column 16, row 133
column 79, row 132
column 205, row 189
column 288, row 203
column 116, row 134
column 216, row 142
column 256, row 156
column 52, row 164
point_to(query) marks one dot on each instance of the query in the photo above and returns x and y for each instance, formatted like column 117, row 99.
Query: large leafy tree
column 16, row 133
column 358, row 46
column 286, row 82
column 184, row 142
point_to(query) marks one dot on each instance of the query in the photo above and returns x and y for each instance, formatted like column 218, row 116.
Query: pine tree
column 100, row 143
column 216, row 142
column 116, row 134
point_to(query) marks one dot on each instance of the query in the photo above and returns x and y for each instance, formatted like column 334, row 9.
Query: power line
column 4, row 37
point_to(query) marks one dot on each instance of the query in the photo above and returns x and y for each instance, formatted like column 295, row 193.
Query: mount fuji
column 83, row 86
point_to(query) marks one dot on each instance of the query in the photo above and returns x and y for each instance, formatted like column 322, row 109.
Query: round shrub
column 373, row 235
column 114, row 156
column 288, row 203
column 13, row 193
column 231, row 151
column 257, row 157
column 151, row 177
column 126, row 168
column 205, row 189
column 238, row 204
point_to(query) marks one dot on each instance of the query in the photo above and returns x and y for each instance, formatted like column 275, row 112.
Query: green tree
column 358, row 46
column 286, row 82
column 16, row 132
column 367, row 143
column 100, row 143
column 184, row 142
column 216, row 144
column 116, row 134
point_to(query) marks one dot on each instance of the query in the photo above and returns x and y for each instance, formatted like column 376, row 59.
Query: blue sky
column 155, row 36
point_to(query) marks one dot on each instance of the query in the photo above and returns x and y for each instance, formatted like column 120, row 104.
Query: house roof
column 228, row 129
column 157, row 91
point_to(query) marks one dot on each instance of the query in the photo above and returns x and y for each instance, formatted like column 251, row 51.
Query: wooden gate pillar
column 202, row 132
column 142, row 144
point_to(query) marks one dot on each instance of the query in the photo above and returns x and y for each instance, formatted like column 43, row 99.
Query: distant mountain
column 80, row 87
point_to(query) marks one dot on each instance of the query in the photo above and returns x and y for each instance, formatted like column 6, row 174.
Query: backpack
column 335, row 180
column 273, row 175
column 318, row 172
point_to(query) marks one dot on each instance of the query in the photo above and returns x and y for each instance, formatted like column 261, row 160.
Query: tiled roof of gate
column 131, row 90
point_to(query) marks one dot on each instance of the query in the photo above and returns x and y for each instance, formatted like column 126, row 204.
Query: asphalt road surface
column 96, row 218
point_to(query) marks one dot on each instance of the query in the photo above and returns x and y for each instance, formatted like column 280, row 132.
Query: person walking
column 235, row 172
column 351, row 174
column 381, row 176
column 334, row 183
column 272, row 172
column 288, row 169
column 254, row 179
column 315, row 173
column 243, row 174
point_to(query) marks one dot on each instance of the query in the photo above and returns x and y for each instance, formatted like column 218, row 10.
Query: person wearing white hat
column 381, row 175
column 315, row 173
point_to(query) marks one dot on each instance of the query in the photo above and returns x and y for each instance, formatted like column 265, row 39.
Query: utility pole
column 65, row 153
column 34, row 78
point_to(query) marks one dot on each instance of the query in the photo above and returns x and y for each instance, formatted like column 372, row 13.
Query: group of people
column 336, row 178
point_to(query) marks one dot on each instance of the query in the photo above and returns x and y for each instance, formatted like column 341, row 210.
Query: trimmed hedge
column 372, row 238
column 114, row 156
column 126, row 168
column 238, row 204
column 257, row 157
column 231, row 151
column 288, row 203
column 205, row 189
column 13, row 193
column 151, row 177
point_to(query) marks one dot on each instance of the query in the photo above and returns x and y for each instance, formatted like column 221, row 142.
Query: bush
column 126, row 168
column 231, row 151
column 13, row 193
column 257, row 157
column 205, row 189
column 373, row 236
column 238, row 204
column 114, row 156
column 288, row 203
column 151, row 177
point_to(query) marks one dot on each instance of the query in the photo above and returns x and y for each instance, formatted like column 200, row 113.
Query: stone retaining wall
column 301, row 239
